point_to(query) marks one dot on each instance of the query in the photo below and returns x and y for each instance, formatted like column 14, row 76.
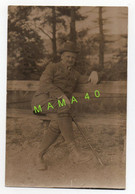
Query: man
column 58, row 82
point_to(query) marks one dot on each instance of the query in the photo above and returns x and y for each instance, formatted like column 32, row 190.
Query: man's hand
column 66, row 100
column 93, row 78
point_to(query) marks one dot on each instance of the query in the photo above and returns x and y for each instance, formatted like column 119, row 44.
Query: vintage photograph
column 66, row 97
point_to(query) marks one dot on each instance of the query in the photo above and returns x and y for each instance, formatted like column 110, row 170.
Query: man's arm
column 83, row 79
column 46, row 82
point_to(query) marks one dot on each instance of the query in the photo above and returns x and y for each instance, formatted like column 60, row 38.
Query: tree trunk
column 72, row 26
column 54, row 46
column 101, row 39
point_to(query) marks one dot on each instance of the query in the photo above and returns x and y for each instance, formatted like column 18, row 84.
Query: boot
column 77, row 155
column 41, row 163
column 47, row 140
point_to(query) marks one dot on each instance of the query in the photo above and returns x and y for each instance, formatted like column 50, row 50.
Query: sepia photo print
column 66, row 97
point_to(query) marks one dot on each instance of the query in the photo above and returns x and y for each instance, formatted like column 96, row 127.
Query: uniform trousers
column 61, row 125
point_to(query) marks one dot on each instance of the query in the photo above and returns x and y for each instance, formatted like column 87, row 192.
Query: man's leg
column 62, row 125
column 48, row 139
column 53, row 129
column 65, row 125
column 66, row 128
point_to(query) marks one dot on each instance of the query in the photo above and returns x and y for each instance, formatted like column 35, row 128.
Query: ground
column 105, row 132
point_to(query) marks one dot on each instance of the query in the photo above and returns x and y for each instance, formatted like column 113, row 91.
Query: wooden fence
column 112, row 95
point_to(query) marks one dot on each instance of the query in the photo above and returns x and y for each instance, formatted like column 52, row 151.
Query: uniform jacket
column 55, row 81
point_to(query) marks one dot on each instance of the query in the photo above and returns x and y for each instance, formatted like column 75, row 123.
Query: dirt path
column 106, row 133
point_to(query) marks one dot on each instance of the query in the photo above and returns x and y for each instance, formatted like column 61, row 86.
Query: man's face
column 68, row 58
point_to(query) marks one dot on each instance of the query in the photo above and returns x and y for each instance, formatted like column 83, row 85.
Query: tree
column 25, row 46
column 101, row 38
column 74, row 15
column 54, row 21
column 48, row 24
column 72, row 25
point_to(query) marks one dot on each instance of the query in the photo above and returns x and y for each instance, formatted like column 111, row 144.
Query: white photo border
column 130, row 159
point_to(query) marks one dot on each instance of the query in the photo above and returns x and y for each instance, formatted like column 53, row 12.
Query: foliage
column 37, row 33
column 25, row 46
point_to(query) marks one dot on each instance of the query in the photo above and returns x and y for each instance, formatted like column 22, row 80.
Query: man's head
column 69, row 53
column 68, row 58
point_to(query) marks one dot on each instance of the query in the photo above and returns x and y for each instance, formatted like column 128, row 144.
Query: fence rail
column 105, row 87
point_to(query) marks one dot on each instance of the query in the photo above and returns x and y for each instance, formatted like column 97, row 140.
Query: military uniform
column 55, row 81
column 58, row 80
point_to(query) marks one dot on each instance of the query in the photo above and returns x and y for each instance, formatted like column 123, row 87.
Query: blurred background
column 36, row 34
